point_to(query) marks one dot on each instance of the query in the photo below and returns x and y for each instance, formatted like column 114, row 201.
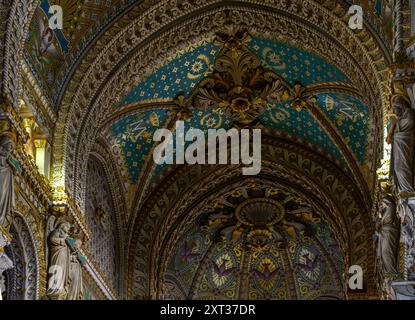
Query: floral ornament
column 184, row 113
column 239, row 84
column 298, row 102
column 259, row 221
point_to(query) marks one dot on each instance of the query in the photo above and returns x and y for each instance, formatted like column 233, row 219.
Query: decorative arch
column 103, row 216
column 255, row 239
column 23, row 281
column 103, row 154
column 163, row 215
column 16, row 16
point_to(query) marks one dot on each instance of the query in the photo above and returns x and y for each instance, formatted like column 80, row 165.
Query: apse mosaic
column 256, row 243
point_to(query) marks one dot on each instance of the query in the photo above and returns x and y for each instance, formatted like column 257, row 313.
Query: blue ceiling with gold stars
column 132, row 134
column 183, row 71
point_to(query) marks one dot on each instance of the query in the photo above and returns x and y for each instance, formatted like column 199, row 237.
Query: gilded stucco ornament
column 260, row 221
column 239, row 85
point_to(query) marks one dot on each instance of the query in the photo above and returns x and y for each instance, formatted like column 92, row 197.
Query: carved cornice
column 13, row 119
column 39, row 102
column 37, row 182
column 4, row 14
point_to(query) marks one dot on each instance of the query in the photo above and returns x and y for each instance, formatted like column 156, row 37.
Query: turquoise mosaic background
column 134, row 136
column 350, row 116
column 298, row 123
column 182, row 73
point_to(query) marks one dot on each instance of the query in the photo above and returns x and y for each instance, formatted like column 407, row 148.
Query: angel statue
column 59, row 262
column 7, row 195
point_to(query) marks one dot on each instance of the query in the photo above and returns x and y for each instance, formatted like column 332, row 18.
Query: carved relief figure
column 403, row 148
column 7, row 195
column 388, row 231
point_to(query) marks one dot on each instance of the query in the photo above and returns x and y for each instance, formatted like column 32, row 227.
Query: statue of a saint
column 403, row 148
column 7, row 195
column 388, row 231
column 59, row 263
column 65, row 270
column 75, row 275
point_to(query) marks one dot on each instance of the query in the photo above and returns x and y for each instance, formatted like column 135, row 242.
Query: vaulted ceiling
column 114, row 75
column 149, row 105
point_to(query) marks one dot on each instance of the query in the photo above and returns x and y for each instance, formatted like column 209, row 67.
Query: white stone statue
column 388, row 233
column 402, row 173
column 75, row 275
column 65, row 270
column 59, row 262
column 7, row 195
column 403, row 148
